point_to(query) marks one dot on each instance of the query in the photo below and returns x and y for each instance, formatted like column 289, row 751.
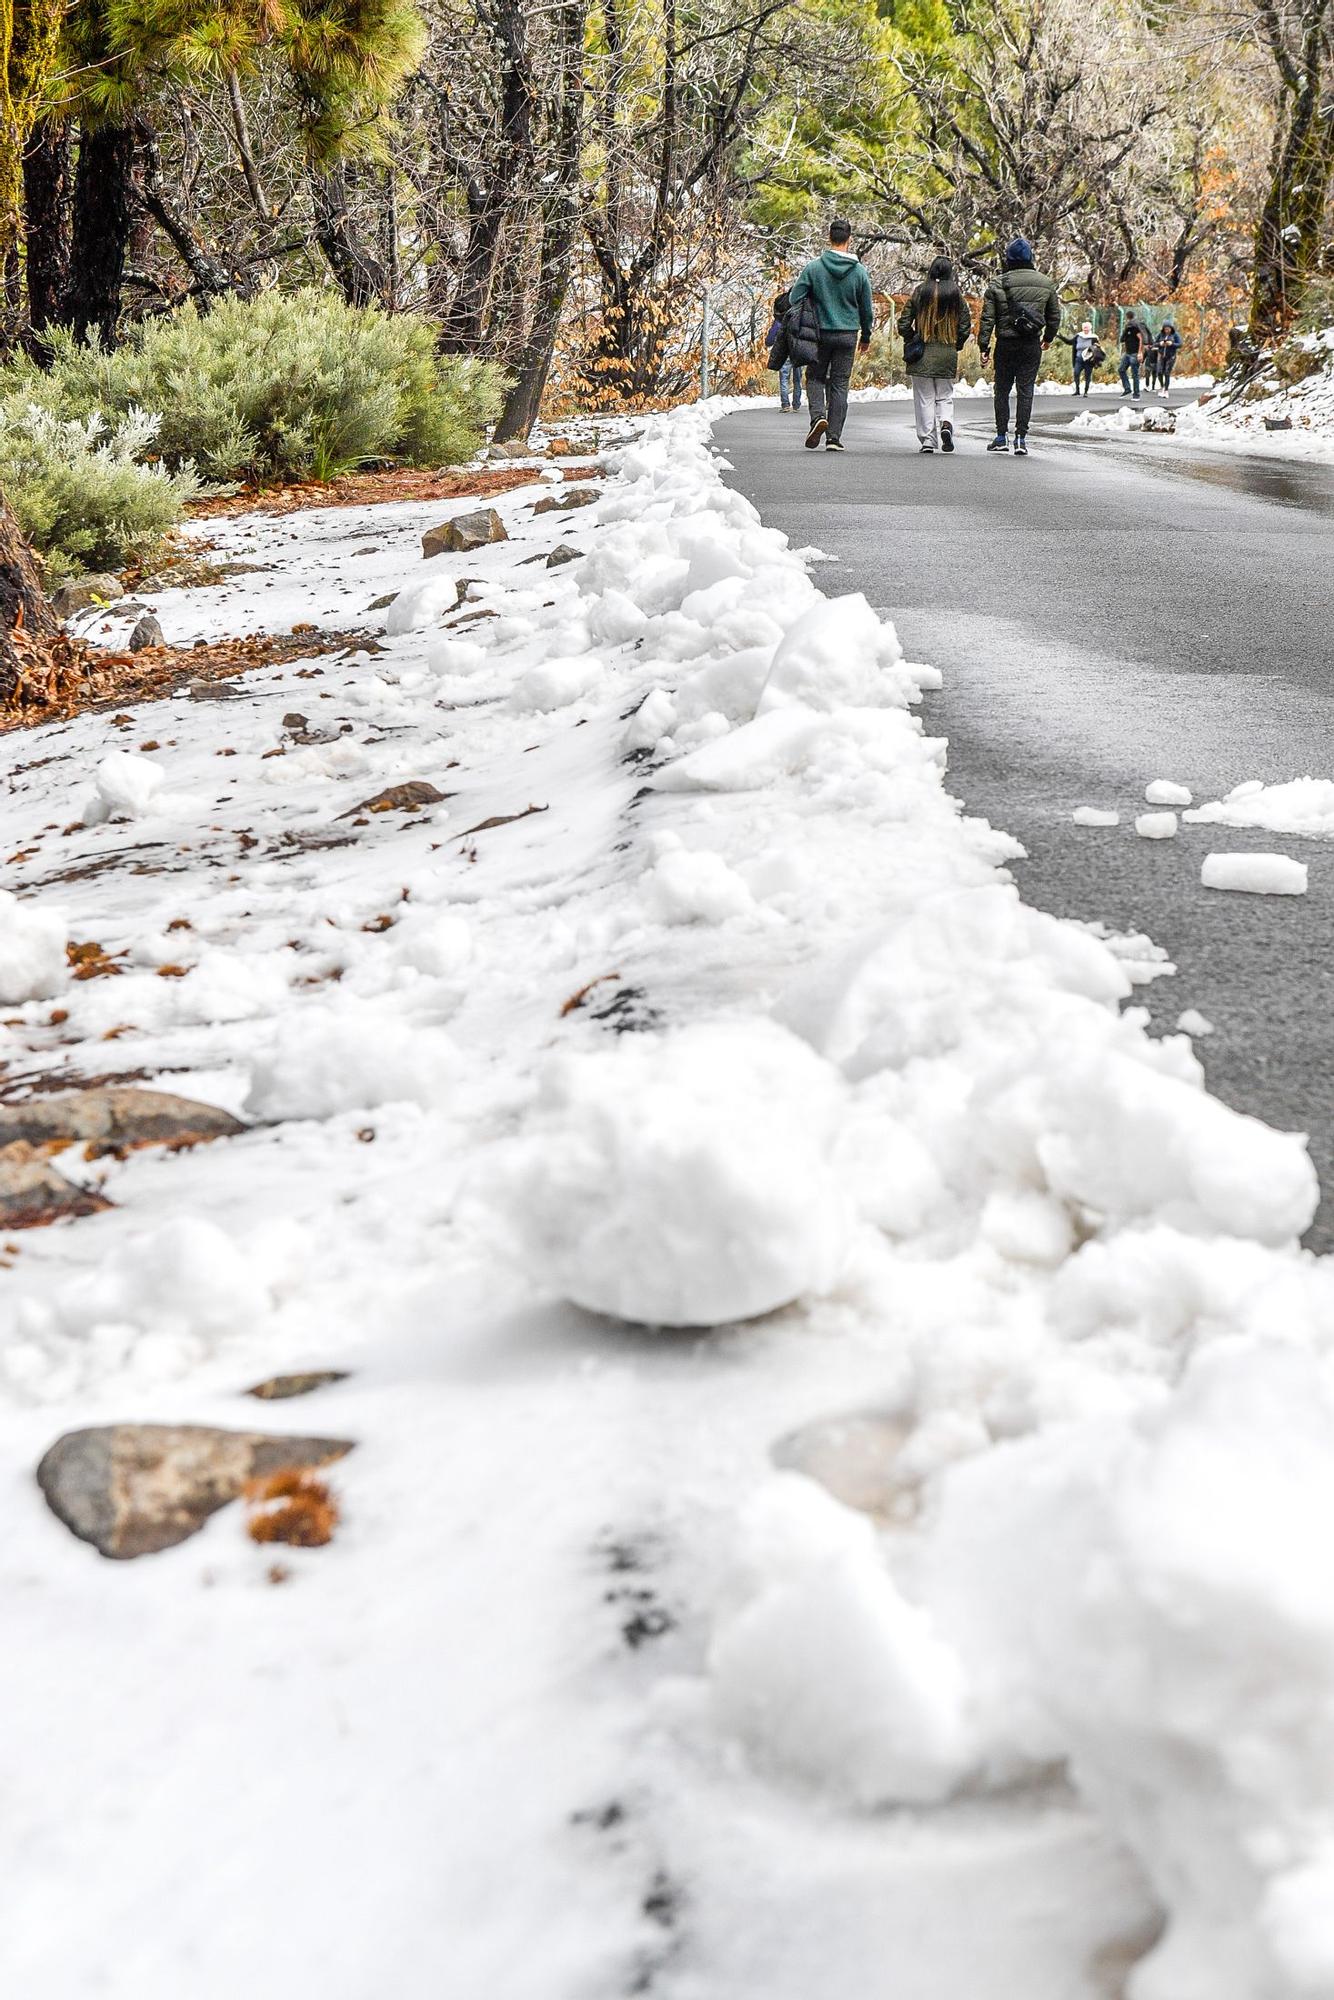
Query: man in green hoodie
column 840, row 290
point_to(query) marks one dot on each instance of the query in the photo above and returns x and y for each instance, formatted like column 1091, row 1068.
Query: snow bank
column 1294, row 390
column 1301, row 806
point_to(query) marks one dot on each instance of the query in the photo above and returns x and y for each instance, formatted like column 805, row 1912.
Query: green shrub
column 81, row 496
column 288, row 386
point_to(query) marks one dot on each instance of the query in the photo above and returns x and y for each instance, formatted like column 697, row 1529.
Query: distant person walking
column 789, row 372
column 840, row 291
column 1086, row 353
column 1150, row 358
column 1023, row 312
column 935, row 324
column 1169, row 346
column 1133, row 339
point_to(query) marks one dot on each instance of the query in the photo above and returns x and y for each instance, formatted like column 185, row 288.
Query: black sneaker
column 926, row 447
column 1021, row 447
column 816, row 432
column 834, row 444
column 999, row 443
column 947, row 436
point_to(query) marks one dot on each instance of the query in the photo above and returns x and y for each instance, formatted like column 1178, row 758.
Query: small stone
column 566, row 502
column 146, row 633
column 563, row 554
column 854, row 1458
column 133, row 1489
column 33, row 1194
column 213, row 691
column 465, row 533
column 382, row 603
column 279, row 1388
column 514, row 448
column 409, row 797
column 82, row 591
column 113, row 1118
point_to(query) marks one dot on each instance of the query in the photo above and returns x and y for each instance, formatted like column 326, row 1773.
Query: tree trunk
column 359, row 273
column 560, row 227
column 103, row 214
column 46, row 193
column 31, row 640
column 1288, row 237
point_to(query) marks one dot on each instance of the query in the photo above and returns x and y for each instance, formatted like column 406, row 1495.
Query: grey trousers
column 828, row 377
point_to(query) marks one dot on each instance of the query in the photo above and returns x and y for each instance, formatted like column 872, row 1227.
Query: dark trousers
column 1129, row 369
column 828, row 377
column 1084, row 368
column 1165, row 367
column 1017, row 364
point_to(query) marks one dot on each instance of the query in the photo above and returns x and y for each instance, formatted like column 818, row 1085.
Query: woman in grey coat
column 935, row 325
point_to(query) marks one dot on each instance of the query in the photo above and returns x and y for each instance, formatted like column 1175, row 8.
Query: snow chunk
column 834, row 656
column 1301, row 806
column 1156, row 826
column 556, row 683
column 1162, row 792
column 32, row 951
column 325, row 1059
column 1255, row 874
column 1192, row 1022
column 124, row 787
column 1094, row 816
column 683, row 1179
column 685, row 887
column 821, row 1668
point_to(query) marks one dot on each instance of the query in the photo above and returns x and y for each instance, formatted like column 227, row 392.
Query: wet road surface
column 1109, row 611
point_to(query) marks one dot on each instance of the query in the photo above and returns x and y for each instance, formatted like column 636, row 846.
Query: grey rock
column 382, row 603
column 146, row 633
column 515, row 448
column 133, row 1489
column 563, row 554
column 113, row 1118
column 213, row 691
column 279, row 1388
column 565, row 503
column 33, row 1194
column 465, row 533
column 77, row 595
column 854, row 1457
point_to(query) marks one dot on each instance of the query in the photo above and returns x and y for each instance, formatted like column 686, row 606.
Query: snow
column 32, row 951
column 1304, row 406
column 1162, row 792
column 1095, row 816
column 1255, row 874
column 689, row 1076
column 1156, row 825
column 1298, row 806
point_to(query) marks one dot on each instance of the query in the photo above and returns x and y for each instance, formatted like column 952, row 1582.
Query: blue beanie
column 1018, row 252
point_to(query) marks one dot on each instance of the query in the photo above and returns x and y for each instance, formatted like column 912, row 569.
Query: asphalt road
column 1107, row 612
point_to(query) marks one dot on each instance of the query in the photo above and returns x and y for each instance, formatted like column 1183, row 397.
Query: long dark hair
column 938, row 303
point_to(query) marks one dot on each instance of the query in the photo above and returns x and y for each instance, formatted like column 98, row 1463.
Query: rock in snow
column 111, row 1117
column 465, row 533
column 33, row 1194
column 134, row 1489
column 1255, row 874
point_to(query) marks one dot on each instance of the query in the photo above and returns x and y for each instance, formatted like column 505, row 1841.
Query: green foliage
column 289, row 386
column 1317, row 309
column 82, row 495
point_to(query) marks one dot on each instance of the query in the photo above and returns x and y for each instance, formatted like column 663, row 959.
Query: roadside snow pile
column 1286, row 411
column 605, row 938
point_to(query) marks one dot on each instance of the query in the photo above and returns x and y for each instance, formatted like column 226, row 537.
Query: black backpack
column 1027, row 321
column 801, row 324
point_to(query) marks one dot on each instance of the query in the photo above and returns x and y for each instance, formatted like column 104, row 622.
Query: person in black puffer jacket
column 1022, row 312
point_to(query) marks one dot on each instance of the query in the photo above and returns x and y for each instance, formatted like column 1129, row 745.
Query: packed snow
column 1156, row 825
column 1280, row 416
column 682, row 1099
column 1298, row 806
column 1255, row 874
